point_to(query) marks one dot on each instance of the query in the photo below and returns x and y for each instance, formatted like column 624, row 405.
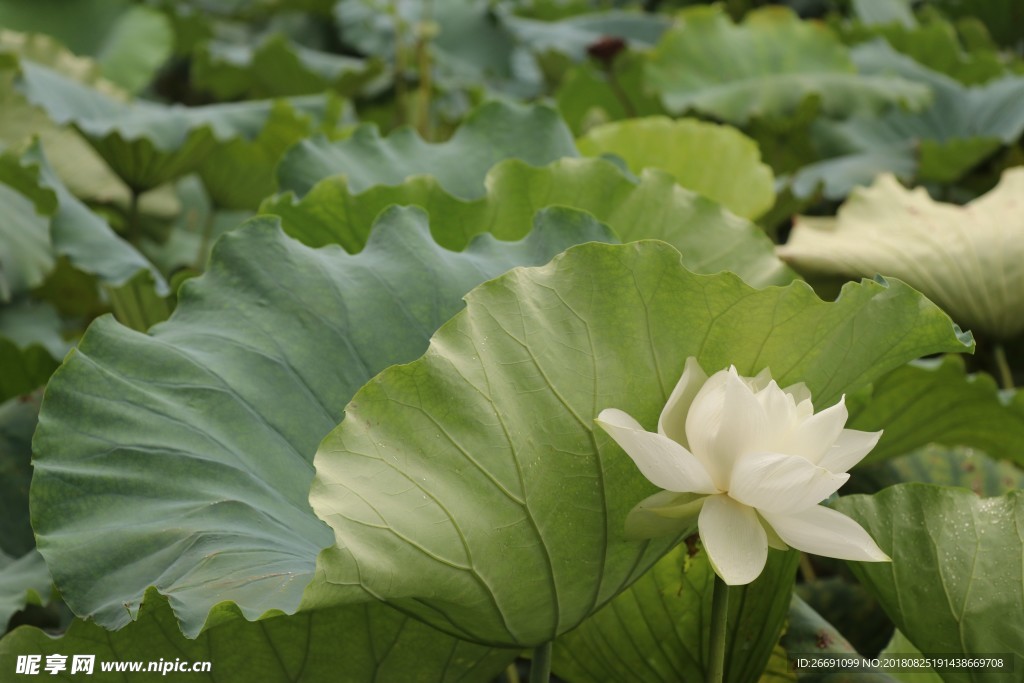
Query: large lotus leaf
column 129, row 43
column 656, row 630
column 965, row 258
column 194, row 442
column 654, row 207
column 361, row 643
column 961, row 128
column 956, row 582
column 276, row 67
column 23, row 581
column 146, row 143
column 17, row 423
column 764, row 68
column 493, row 429
column 935, row 402
column 716, row 161
column 494, row 131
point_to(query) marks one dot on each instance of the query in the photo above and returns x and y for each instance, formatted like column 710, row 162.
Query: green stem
column 620, row 94
column 540, row 667
column 719, row 617
column 512, row 673
column 205, row 237
column 807, row 569
column 423, row 94
column 133, row 231
column 401, row 93
column 1005, row 374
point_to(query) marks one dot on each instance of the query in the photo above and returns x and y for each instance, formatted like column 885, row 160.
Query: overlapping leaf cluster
column 306, row 310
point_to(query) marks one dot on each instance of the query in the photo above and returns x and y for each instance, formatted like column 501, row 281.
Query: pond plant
column 476, row 340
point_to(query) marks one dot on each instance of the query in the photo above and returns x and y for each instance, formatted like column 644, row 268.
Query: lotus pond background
column 307, row 308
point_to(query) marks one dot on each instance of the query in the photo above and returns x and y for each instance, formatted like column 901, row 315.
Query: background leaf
column 494, row 131
column 955, row 582
column 129, row 42
column 936, row 402
column 766, row 67
column 942, row 142
column 653, row 207
column 737, row 179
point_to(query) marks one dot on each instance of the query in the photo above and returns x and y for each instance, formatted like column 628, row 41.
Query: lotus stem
column 1005, row 374
column 719, row 617
column 620, row 94
column 401, row 91
column 540, row 667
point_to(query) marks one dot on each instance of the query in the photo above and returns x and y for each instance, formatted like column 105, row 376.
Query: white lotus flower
column 751, row 462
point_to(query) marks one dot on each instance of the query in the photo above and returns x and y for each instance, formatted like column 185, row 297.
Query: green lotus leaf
column 685, row 148
column 146, row 143
column 656, row 629
column 277, row 67
column 965, row 258
column 493, row 429
column 129, row 43
column 956, row 579
column 494, row 131
column 195, row 441
column 359, row 643
column 962, row 127
column 936, row 402
column 710, row 239
column 23, row 581
column 765, row 67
